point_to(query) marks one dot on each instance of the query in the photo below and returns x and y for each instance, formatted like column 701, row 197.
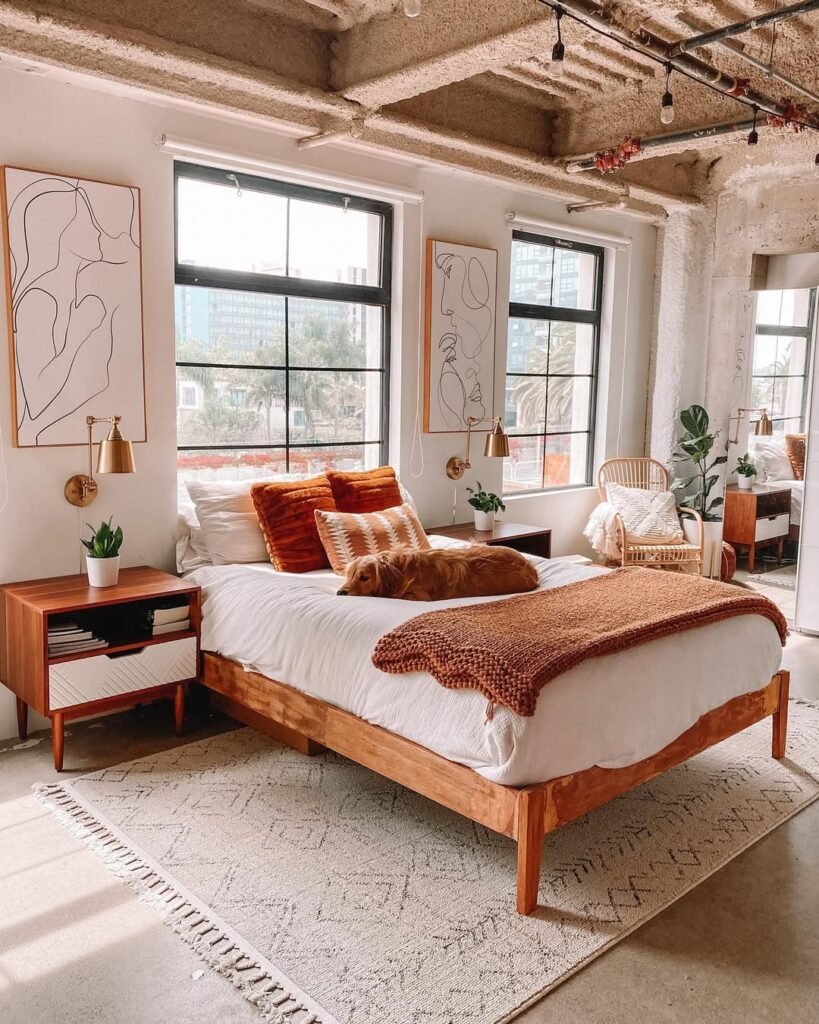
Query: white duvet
column 610, row 711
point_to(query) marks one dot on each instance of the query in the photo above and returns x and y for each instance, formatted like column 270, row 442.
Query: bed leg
column 529, row 833
column 780, row 717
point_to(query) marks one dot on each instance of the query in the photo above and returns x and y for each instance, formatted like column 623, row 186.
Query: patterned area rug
column 327, row 893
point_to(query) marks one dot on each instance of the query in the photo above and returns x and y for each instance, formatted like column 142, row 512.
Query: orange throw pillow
column 286, row 513
column 795, row 447
column 348, row 535
column 371, row 491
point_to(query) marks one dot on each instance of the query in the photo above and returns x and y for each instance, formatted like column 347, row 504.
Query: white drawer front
column 78, row 682
column 776, row 526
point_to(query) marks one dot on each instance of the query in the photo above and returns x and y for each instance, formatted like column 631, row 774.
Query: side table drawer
column 90, row 679
column 773, row 526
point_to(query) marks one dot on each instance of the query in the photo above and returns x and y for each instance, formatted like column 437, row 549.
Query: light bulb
column 558, row 55
column 412, row 8
column 667, row 108
column 753, row 137
column 816, row 162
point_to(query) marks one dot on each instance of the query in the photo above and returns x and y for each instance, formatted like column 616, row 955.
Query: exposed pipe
column 737, row 50
column 738, row 28
column 647, row 42
column 587, row 161
column 602, row 204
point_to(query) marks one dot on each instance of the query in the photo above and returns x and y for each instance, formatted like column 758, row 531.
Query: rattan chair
column 649, row 475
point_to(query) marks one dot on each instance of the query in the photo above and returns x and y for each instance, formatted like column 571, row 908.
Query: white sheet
column 610, row 711
column 797, row 489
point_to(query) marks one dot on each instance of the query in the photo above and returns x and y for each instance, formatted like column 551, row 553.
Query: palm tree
column 529, row 393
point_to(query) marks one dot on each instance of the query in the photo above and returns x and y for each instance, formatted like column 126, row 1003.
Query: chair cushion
column 795, row 447
column 347, row 535
column 650, row 517
column 370, row 491
column 286, row 516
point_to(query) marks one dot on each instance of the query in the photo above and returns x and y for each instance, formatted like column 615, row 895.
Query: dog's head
column 371, row 576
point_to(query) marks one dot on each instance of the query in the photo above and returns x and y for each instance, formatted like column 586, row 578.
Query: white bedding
column 797, row 489
column 610, row 711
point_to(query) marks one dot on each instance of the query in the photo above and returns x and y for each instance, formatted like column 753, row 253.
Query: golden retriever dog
column 440, row 574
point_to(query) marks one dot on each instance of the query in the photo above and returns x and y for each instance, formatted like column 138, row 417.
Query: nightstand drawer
column 91, row 679
column 774, row 526
column 772, row 504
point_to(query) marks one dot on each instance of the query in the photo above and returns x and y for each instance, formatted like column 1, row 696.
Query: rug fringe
column 223, row 951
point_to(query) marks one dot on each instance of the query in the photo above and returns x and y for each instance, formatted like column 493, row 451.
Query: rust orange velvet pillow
column 795, row 447
column 286, row 513
column 371, row 491
column 348, row 535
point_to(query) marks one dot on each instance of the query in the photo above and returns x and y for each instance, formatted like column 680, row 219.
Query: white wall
column 56, row 123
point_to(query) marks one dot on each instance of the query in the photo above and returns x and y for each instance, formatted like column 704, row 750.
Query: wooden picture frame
column 73, row 275
column 460, row 320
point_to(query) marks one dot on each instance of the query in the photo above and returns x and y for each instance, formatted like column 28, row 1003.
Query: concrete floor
column 77, row 947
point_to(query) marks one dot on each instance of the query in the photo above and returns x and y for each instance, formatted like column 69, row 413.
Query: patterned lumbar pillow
column 795, row 447
column 348, row 535
column 650, row 517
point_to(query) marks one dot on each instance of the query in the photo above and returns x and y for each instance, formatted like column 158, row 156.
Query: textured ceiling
column 465, row 82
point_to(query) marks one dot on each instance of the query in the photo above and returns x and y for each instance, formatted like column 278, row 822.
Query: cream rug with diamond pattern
column 326, row 893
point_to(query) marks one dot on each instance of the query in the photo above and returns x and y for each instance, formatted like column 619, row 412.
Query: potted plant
column 485, row 504
column 102, row 559
column 695, row 491
column 746, row 471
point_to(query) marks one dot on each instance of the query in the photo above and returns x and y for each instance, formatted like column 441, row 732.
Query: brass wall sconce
column 496, row 447
column 116, row 455
column 763, row 428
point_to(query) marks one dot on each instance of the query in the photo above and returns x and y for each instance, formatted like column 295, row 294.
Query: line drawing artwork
column 74, row 291
column 460, row 335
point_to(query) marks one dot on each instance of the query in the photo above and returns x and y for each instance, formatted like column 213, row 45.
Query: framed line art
column 459, row 342
column 73, row 265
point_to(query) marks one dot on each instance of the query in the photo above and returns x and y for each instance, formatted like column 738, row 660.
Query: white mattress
column 797, row 489
column 610, row 711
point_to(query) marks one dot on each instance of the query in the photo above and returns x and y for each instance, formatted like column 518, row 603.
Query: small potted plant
column 746, row 471
column 485, row 504
column 102, row 559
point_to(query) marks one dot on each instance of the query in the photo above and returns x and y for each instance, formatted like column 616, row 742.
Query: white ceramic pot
column 744, row 483
column 102, row 572
column 484, row 520
column 711, row 543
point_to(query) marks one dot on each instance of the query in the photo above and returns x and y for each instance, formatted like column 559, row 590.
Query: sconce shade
column 764, row 426
column 497, row 443
column 116, row 454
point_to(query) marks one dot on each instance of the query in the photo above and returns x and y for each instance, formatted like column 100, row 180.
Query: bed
column 284, row 653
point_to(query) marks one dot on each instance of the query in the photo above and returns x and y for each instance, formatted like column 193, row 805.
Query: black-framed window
column 282, row 326
column 783, row 336
column 556, row 289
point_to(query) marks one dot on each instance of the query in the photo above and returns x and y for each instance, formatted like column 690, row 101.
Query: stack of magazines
column 171, row 620
column 70, row 638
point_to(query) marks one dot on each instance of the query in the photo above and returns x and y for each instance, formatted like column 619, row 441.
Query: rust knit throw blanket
column 509, row 649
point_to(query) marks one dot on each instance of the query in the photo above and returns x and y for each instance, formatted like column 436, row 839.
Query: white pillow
column 650, row 517
column 771, row 459
column 191, row 549
column 228, row 521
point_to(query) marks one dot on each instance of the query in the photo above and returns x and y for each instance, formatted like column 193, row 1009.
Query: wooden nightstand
column 134, row 666
column 531, row 540
column 757, row 518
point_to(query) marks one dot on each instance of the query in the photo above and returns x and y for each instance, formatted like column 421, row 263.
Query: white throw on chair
column 649, row 475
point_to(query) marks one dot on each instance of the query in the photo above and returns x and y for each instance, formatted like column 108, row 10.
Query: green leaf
column 695, row 420
column 719, row 461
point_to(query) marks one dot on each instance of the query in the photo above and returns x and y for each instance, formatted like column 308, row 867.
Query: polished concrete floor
column 77, row 947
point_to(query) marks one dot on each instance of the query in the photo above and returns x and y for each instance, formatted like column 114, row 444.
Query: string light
column 667, row 106
column 753, row 137
column 558, row 50
column 412, row 8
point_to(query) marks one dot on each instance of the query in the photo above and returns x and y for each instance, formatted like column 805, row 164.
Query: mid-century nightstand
column 134, row 666
column 531, row 540
column 756, row 518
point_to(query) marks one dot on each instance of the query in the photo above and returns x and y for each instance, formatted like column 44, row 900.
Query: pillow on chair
column 650, row 517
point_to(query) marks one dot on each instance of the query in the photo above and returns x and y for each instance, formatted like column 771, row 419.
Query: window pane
column 334, row 334
column 765, row 346
column 563, row 347
column 523, row 470
column 215, row 325
column 334, row 406
column 565, row 460
column 216, row 406
column 229, row 465
column 217, row 227
column 762, row 393
column 783, row 308
column 550, row 276
column 350, row 458
column 525, row 411
column 327, row 244
column 568, row 405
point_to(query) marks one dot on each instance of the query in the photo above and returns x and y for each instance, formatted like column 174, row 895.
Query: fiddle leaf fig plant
column 104, row 542
column 485, row 501
column 695, row 446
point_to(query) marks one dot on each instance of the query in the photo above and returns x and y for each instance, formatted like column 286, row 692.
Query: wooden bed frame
column 524, row 814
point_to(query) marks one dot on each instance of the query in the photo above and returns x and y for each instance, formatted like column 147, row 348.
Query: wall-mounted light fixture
column 116, row 455
column 763, row 427
column 496, row 447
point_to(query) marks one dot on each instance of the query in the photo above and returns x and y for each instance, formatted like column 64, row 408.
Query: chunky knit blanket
column 509, row 649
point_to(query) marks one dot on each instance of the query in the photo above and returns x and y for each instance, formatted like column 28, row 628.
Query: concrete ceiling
column 468, row 82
